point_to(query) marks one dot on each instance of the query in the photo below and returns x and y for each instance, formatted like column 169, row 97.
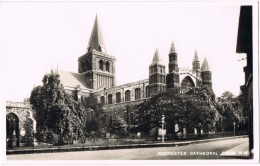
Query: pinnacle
column 172, row 49
column 96, row 41
column 156, row 58
column 205, row 65
column 196, row 58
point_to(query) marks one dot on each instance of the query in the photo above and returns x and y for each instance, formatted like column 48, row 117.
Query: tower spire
column 196, row 58
column 172, row 49
column 206, row 74
column 156, row 58
column 96, row 41
column 205, row 65
column 196, row 64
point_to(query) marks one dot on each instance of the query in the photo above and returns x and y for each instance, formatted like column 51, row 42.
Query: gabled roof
column 196, row 58
column 205, row 65
column 172, row 49
column 69, row 79
column 96, row 40
column 156, row 58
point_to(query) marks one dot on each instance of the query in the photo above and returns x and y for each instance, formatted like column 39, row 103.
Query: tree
column 202, row 113
column 56, row 111
column 119, row 127
column 195, row 108
column 230, row 107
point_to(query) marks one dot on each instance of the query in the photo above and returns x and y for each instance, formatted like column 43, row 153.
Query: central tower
column 97, row 66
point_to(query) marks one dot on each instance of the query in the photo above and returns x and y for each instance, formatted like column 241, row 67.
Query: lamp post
column 163, row 128
column 234, row 128
column 126, row 113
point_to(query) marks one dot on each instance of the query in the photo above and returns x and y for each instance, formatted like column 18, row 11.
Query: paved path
column 231, row 148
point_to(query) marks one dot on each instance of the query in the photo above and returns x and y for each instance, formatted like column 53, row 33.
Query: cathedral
column 95, row 83
column 96, row 78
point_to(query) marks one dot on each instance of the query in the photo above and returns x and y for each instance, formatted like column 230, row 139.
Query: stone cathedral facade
column 96, row 78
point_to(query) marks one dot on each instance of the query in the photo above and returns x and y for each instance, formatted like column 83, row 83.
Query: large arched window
column 102, row 100
column 137, row 93
column 107, row 66
column 109, row 99
column 147, row 91
column 127, row 95
column 186, row 84
column 118, row 97
column 101, row 65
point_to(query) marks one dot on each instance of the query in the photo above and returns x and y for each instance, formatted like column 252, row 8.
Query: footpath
column 111, row 147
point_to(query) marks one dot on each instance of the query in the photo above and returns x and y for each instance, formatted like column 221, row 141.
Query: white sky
column 36, row 37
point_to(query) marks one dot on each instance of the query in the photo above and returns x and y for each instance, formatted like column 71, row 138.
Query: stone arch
column 187, row 83
column 118, row 97
column 109, row 98
column 101, row 65
column 137, row 93
column 12, row 130
column 102, row 100
column 107, row 66
column 27, row 132
column 127, row 95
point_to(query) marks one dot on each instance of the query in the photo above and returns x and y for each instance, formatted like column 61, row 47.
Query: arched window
column 102, row 100
column 137, row 93
column 186, row 84
column 127, row 95
column 147, row 91
column 109, row 99
column 118, row 97
column 107, row 66
column 101, row 65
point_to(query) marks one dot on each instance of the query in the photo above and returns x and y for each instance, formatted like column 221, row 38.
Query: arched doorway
column 28, row 135
column 12, row 130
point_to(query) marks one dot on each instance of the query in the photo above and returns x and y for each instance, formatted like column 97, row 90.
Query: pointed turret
column 206, row 74
column 96, row 41
column 196, row 58
column 172, row 79
column 172, row 49
column 205, row 65
column 156, row 58
column 173, row 62
column 196, row 64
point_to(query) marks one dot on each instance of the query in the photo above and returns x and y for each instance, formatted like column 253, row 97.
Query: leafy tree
column 56, row 111
column 119, row 127
column 201, row 110
column 195, row 108
column 230, row 107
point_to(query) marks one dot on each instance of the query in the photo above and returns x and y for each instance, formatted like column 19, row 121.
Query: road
column 222, row 149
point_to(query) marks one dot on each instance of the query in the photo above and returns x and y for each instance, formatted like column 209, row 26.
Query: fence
column 89, row 142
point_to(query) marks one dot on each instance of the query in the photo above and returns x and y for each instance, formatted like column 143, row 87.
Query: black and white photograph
column 87, row 82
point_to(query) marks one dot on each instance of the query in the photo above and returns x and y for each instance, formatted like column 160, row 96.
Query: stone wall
column 122, row 90
column 20, row 123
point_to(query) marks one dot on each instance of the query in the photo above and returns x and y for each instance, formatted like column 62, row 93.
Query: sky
column 39, row 36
